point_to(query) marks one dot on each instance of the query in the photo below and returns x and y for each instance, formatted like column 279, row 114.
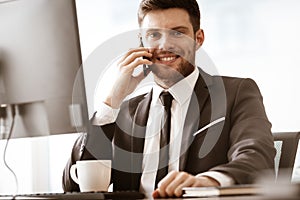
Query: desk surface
column 244, row 197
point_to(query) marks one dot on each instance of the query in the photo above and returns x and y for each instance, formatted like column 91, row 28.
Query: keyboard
column 78, row 196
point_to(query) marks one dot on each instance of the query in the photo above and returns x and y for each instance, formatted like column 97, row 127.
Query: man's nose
column 166, row 43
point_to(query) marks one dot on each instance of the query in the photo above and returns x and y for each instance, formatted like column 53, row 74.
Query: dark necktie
column 166, row 99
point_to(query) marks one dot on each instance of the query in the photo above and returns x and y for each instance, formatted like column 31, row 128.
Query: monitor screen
column 41, row 79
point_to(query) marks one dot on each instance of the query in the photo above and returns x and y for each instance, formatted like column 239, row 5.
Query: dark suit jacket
column 241, row 146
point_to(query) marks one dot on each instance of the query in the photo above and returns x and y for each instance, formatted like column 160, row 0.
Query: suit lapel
column 140, row 112
column 140, row 119
column 192, row 123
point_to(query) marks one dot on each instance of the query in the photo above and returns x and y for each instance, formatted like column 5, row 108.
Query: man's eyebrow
column 173, row 28
column 179, row 28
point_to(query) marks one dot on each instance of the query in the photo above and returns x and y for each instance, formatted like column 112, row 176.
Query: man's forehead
column 166, row 19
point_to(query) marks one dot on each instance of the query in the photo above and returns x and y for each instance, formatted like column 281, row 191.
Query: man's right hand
column 125, row 82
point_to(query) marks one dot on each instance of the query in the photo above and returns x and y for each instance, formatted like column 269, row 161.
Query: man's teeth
column 168, row 58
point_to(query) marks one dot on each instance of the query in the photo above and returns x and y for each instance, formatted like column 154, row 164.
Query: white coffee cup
column 92, row 175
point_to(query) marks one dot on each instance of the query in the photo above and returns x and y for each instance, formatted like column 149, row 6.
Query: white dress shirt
column 181, row 92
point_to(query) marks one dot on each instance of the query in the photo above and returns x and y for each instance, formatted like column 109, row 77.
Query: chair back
column 286, row 144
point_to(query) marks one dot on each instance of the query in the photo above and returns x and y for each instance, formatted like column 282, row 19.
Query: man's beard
column 166, row 76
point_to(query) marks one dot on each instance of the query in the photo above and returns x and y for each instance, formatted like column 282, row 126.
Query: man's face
column 171, row 38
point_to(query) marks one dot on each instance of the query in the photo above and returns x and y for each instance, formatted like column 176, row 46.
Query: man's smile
column 166, row 58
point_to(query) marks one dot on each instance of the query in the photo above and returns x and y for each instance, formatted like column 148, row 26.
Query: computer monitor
column 41, row 79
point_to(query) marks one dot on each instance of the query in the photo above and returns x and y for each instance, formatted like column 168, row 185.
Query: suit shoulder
column 236, row 81
column 225, row 80
column 231, row 79
column 236, row 87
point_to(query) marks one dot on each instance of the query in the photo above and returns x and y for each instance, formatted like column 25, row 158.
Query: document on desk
column 221, row 191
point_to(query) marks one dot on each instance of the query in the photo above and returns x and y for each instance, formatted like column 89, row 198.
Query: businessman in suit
column 217, row 130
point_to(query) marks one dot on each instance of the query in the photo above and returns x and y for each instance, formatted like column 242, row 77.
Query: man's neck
column 167, row 83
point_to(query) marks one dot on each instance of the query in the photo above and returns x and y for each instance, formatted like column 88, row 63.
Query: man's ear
column 199, row 37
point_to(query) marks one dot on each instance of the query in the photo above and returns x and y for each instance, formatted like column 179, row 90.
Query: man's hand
column 126, row 83
column 173, row 183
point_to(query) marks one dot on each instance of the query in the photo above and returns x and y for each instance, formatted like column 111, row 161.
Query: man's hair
column 191, row 6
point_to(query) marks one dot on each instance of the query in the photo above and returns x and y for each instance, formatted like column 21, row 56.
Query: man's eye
column 154, row 35
column 176, row 33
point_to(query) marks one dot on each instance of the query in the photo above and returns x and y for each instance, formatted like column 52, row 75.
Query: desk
column 270, row 192
column 244, row 197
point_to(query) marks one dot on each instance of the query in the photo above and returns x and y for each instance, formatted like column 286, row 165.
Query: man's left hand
column 173, row 183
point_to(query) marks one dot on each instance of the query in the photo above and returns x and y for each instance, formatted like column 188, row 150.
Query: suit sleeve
column 68, row 184
column 251, row 141
column 96, row 144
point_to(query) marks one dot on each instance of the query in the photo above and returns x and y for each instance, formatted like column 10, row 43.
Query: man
column 232, row 149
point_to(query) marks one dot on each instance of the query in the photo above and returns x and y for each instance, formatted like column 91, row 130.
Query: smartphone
column 146, row 68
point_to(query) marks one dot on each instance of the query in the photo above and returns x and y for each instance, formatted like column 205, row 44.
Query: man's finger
column 132, row 51
column 165, row 182
column 182, row 179
column 167, row 179
column 155, row 194
column 186, row 183
column 133, row 56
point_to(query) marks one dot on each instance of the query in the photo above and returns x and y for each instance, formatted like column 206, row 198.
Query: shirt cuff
column 223, row 179
column 105, row 115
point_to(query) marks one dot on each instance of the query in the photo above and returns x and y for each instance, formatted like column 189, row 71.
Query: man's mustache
column 160, row 53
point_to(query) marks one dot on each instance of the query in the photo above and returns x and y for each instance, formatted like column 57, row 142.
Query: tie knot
column 166, row 99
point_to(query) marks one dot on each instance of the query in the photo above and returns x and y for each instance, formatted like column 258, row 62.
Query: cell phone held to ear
column 146, row 68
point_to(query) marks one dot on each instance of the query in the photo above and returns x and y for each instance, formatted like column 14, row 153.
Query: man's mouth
column 167, row 59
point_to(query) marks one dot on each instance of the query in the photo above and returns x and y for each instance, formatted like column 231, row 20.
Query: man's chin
column 166, row 74
column 160, row 68
column 166, row 70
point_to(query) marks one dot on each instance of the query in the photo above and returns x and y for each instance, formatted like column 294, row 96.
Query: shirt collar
column 182, row 90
